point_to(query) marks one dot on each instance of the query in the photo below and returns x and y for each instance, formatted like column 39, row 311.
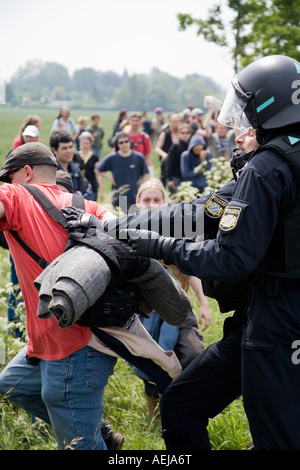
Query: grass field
column 124, row 406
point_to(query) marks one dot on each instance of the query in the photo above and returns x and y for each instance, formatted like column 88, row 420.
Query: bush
column 218, row 175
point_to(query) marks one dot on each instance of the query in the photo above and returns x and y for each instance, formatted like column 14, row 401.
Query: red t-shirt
column 18, row 141
column 142, row 143
column 46, row 340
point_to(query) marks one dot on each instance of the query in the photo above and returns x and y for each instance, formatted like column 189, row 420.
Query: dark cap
column 32, row 153
column 64, row 179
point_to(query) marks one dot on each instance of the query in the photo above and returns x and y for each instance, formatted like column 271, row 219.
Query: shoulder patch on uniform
column 230, row 218
column 291, row 140
column 214, row 206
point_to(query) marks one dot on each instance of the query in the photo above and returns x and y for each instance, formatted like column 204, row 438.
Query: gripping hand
column 78, row 218
column 148, row 243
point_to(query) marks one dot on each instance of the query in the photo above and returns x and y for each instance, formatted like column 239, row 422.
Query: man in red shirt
column 57, row 377
column 140, row 140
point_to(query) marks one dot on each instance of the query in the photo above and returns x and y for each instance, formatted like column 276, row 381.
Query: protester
column 64, row 181
column 98, row 133
column 140, row 140
column 31, row 134
column 64, row 122
column 174, row 175
column 118, row 126
column 30, row 120
column 257, row 242
column 195, row 155
column 36, row 379
column 197, row 123
column 87, row 160
column 187, row 115
column 221, row 142
column 61, row 144
column 82, row 123
column 146, row 122
column 167, row 137
column 126, row 168
column 156, row 124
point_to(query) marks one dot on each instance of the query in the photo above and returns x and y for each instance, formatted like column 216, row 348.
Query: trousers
column 271, row 369
column 67, row 394
column 209, row 384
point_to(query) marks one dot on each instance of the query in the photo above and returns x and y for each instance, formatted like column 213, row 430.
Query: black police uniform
column 264, row 195
column 215, row 375
column 213, row 380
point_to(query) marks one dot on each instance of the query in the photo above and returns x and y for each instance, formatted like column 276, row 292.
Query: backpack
column 121, row 298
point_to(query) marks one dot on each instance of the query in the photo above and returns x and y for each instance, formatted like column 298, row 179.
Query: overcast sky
column 109, row 35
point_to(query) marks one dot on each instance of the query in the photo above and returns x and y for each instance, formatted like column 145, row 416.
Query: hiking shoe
column 115, row 441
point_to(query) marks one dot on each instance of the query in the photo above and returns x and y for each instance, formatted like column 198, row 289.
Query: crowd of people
column 80, row 169
column 180, row 142
column 248, row 259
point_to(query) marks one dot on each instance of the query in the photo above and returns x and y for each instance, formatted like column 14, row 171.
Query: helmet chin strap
column 259, row 135
column 238, row 161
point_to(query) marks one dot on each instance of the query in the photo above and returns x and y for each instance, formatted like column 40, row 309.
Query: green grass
column 124, row 403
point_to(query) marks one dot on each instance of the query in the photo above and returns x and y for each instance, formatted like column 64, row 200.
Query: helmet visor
column 233, row 109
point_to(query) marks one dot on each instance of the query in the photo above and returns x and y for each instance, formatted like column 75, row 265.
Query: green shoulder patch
column 230, row 218
column 214, row 206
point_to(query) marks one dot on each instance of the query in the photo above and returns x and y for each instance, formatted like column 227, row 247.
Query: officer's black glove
column 77, row 218
column 148, row 243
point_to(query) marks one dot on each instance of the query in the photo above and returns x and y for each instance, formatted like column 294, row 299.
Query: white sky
column 109, row 35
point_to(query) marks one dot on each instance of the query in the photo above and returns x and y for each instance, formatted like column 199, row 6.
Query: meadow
column 124, row 403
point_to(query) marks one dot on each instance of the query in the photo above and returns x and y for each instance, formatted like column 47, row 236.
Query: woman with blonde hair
column 151, row 194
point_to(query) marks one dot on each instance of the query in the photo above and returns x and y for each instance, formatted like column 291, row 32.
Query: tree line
column 46, row 82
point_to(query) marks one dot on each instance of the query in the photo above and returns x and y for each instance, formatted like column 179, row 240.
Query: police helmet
column 266, row 94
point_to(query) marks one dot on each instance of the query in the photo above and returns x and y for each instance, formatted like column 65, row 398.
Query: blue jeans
column 68, row 394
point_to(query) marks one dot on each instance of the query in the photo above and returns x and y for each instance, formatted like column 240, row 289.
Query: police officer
column 257, row 240
column 220, row 366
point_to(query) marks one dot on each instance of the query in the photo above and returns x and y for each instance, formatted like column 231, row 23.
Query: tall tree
column 250, row 29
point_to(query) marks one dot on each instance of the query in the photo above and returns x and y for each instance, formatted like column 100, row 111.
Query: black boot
column 113, row 440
